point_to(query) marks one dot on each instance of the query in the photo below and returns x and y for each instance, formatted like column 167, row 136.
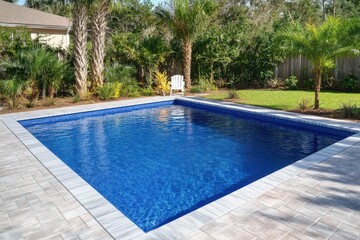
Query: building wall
column 54, row 38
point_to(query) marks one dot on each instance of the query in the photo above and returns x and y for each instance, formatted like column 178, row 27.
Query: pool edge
column 118, row 225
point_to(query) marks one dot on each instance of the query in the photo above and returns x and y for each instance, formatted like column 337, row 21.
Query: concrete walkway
column 320, row 202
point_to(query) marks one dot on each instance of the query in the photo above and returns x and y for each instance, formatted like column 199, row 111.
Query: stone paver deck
column 314, row 199
column 33, row 203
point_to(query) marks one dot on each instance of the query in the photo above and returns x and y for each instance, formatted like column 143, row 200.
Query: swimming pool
column 156, row 162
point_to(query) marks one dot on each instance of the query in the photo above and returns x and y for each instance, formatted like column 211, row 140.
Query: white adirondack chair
column 177, row 83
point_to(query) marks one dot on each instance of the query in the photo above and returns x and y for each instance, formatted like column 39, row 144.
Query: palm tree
column 187, row 19
column 80, row 34
column 322, row 44
column 37, row 68
column 99, row 12
column 12, row 81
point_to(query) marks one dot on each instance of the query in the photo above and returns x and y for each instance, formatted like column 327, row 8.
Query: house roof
column 12, row 15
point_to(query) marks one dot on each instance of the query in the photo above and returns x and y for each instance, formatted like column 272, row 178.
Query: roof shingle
column 14, row 15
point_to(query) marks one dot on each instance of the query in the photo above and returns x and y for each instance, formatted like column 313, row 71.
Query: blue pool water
column 155, row 163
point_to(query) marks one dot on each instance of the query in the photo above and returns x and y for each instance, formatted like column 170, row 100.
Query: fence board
column 301, row 68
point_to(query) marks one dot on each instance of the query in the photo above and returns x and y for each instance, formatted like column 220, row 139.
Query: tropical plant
column 321, row 44
column 99, row 11
column 12, row 81
column 162, row 82
column 12, row 90
column 45, row 69
column 146, row 53
column 123, row 74
column 109, row 91
column 349, row 110
column 187, row 20
column 275, row 83
column 39, row 68
column 232, row 94
column 304, row 104
column 119, row 73
column 76, row 98
column 49, row 101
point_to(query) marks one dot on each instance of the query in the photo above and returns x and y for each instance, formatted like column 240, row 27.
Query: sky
column 21, row 2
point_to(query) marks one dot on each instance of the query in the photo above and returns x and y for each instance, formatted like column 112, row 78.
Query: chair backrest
column 177, row 82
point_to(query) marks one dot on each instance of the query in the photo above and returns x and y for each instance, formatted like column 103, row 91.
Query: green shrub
column 130, row 90
column 206, row 85
column 304, row 104
column 196, row 89
column 309, row 84
column 109, row 91
column 147, row 91
column 118, row 73
column 349, row 110
column 350, row 83
column 232, row 94
column 203, row 85
column 291, row 83
column 129, row 87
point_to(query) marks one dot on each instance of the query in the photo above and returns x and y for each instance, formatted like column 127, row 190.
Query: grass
column 288, row 100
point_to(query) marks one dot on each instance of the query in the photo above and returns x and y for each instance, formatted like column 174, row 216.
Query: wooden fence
column 301, row 68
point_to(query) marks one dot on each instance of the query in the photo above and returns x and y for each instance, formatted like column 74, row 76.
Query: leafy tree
column 13, row 41
column 303, row 11
column 321, row 44
column 187, row 20
column 59, row 7
column 344, row 8
column 133, row 16
column 215, row 47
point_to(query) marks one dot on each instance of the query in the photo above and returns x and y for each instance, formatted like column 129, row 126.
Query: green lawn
column 289, row 100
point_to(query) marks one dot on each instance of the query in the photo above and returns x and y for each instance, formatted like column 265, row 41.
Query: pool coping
column 118, row 225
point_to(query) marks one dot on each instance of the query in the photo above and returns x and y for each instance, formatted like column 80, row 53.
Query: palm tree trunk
column 80, row 51
column 317, row 75
column 99, row 24
column 187, row 49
